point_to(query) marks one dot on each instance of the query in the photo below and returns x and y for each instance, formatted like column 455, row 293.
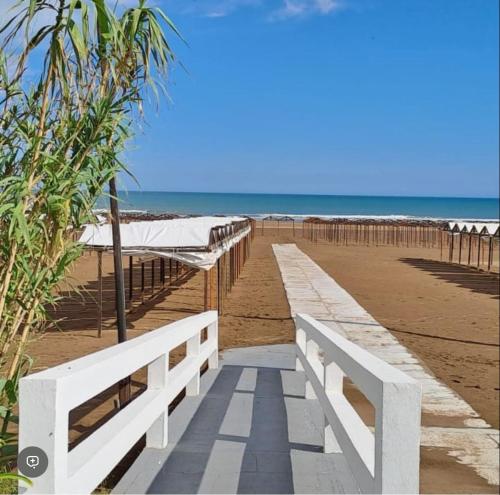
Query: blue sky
column 379, row 97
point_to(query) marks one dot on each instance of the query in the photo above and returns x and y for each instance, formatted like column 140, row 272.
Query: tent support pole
column 142, row 281
column 478, row 249
column 130, row 279
column 460, row 248
column 219, row 298
column 213, row 288
column 440, row 243
column 205, row 291
column 490, row 252
column 470, row 248
column 99, row 294
column 152, row 277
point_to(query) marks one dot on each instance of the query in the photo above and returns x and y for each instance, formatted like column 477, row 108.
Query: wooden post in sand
column 130, row 280
column 99, row 293
column 205, row 291
column 213, row 288
column 152, row 277
column 490, row 252
column 142, row 281
column 478, row 249
column 460, row 248
column 470, row 248
column 450, row 257
column 219, row 288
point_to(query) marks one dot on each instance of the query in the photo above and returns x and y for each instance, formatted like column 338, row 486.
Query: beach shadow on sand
column 78, row 309
column 462, row 276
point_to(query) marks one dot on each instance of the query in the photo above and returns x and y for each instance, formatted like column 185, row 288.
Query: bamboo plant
column 62, row 134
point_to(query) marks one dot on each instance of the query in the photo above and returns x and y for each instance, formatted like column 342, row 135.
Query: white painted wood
column 334, row 382
column 193, row 350
column 157, row 435
column 384, row 462
column 46, row 398
column 300, row 339
column 312, row 354
column 213, row 337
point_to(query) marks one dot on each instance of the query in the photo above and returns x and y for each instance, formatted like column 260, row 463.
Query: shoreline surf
column 259, row 206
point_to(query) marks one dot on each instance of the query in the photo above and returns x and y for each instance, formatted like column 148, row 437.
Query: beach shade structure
column 479, row 237
column 366, row 231
column 278, row 219
column 217, row 245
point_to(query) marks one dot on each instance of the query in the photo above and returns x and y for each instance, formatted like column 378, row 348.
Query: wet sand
column 447, row 315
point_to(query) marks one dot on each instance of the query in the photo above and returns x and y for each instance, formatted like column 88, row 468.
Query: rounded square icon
column 32, row 462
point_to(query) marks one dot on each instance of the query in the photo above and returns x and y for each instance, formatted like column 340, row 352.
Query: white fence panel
column 46, row 398
column 387, row 461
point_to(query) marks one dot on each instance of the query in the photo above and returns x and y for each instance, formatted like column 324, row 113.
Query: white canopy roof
column 184, row 239
column 474, row 228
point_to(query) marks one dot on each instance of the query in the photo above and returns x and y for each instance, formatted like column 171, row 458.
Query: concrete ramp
column 249, row 431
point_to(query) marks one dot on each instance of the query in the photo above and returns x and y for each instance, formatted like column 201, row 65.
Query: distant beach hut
column 478, row 235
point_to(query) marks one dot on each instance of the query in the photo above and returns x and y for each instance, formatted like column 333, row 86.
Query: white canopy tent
column 198, row 242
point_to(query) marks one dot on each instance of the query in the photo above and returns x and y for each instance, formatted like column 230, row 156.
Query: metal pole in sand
column 124, row 385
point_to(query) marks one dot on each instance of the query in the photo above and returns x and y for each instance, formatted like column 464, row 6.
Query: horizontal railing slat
column 96, row 456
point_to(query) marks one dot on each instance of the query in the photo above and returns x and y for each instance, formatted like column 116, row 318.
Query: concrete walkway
column 311, row 290
column 249, row 431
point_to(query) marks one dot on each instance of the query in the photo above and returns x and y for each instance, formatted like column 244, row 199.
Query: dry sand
column 445, row 314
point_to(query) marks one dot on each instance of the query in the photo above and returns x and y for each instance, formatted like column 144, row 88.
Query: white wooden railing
column 388, row 460
column 46, row 399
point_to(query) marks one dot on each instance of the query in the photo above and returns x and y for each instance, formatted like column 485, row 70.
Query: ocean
column 261, row 205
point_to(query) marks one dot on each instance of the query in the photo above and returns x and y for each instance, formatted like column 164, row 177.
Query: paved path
column 249, row 431
column 311, row 290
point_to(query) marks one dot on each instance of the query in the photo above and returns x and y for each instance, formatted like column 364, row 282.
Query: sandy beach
column 445, row 314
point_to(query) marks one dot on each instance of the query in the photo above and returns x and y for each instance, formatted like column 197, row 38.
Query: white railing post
column 312, row 355
column 43, row 423
column 157, row 435
column 213, row 338
column 397, row 439
column 333, row 379
column 192, row 350
column 300, row 339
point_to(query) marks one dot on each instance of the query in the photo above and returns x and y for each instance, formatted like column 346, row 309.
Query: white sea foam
column 303, row 216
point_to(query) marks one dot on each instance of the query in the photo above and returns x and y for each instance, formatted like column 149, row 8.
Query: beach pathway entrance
column 249, row 431
column 273, row 419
